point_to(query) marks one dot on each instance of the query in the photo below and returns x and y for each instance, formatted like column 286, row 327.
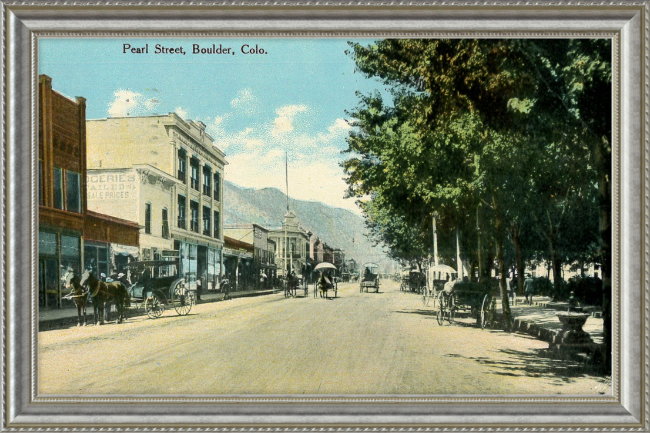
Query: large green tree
column 505, row 125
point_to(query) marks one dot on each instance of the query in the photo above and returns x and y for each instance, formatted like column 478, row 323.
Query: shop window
column 58, row 188
column 73, row 191
column 182, row 212
column 207, row 176
column 165, row 224
column 96, row 258
column 194, row 222
column 182, row 165
column 147, row 218
column 206, row 221
column 194, row 173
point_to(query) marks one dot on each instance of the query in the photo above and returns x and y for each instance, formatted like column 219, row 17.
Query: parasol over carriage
column 322, row 283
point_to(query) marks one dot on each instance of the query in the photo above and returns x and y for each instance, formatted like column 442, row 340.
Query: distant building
column 264, row 269
column 293, row 246
column 175, row 175
column 69, row 236
column 238, row 263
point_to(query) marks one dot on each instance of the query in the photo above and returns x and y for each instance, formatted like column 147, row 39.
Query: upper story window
column 165, row 223
column 194, row 173
column 207, row 176
column 58, row 188
column 182, row 165
column 182, row 211
column 206, row 221
column 194, row 221
column 73, row 191
column 147, row 218
column 217, row 185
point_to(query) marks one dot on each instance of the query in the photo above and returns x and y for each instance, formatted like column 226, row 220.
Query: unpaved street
column 358, row 343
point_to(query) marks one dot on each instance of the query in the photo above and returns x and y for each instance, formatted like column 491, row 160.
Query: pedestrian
column 528, row 289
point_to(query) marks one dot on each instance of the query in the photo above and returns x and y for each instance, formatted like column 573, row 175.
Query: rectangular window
column 165, row 224
column 58, row 188
column 73, row 191
column 194, row 173
column 194, row 207
column 147, row 218
column 207, row 176
column 217, row 185
column 217, row 224
column 206, row 221
column 182, row 165
column 182, row 210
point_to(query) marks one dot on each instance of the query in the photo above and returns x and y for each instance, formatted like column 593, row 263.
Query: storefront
column 199, row 264
column 57, row 251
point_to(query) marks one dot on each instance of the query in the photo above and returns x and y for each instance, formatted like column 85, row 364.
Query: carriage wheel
column 154, row 307
column 441, row 311
column 452, row 309
column 425, row 298
column 483, row 318
column 183, row 300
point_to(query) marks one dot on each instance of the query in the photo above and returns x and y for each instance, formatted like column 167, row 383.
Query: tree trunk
column 520, row 261
column 505, row 304
column 556, row 266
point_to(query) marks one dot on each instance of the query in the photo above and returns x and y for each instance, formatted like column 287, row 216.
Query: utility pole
column 435, row 241
column 458, row 260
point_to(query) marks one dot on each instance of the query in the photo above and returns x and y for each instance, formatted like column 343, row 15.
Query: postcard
column 312, row 216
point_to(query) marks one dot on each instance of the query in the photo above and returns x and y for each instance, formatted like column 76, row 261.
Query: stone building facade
column 180, row 173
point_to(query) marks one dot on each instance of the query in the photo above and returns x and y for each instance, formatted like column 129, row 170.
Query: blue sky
column 292, row 97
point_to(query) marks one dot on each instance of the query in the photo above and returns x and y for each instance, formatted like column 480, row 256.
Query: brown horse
column 77, row 293
column 102, row 292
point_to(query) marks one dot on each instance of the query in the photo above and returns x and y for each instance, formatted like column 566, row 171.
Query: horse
column 102, row 293
column 323, row 285
column 77, row 293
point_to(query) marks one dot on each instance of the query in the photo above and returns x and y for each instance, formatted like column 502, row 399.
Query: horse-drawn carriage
column 325, row 283
column 369, row 279
column 479, row 299
column 158, row 285
column 413, row 281
column 293, row 284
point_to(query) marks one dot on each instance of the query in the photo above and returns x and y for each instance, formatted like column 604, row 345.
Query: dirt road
column 358, row 343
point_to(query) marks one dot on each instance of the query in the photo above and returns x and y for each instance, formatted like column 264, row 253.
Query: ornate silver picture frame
column 627, row 24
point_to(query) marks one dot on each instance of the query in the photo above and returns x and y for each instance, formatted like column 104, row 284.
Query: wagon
column 369, row 278
column 159, row 286
column 436, row 278
column 475, row 298
column 413, row 281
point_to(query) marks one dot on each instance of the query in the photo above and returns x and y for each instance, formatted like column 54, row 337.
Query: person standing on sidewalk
column 528, row 289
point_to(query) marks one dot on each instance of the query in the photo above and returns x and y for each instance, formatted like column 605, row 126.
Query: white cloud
column 245, row 102
column 126, row 103
column 181, row 112
column 283, row 124
column 309, row 178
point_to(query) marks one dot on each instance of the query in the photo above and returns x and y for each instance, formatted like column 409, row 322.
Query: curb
column 71, row 321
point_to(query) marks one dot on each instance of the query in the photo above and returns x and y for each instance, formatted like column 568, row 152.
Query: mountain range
column 339, row 228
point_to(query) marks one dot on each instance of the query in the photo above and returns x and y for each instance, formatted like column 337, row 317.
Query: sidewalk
column 67, row 317
column 540, row 320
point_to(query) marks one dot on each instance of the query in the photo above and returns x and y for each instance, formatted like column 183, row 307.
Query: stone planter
column 572, row 337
